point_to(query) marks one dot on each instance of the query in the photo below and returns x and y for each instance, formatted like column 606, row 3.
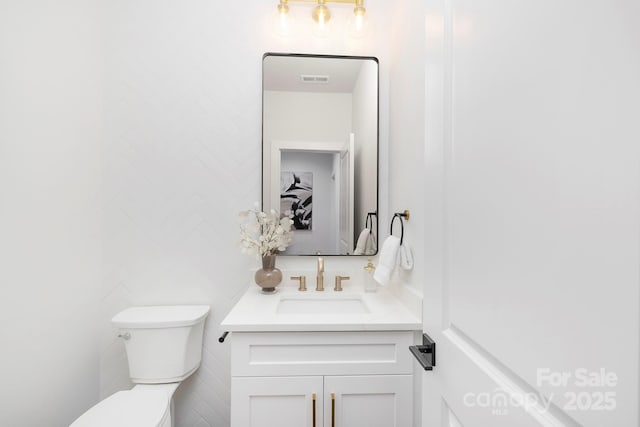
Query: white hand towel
column 372, row 244
column 361, row 246
column 406, row 257
column 387, row 261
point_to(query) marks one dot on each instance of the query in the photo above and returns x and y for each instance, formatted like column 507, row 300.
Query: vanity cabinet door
column 276, row 401
column 371, row 401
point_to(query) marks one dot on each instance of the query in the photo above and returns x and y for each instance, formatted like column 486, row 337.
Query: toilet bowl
column 146, row 407
column 164, row 346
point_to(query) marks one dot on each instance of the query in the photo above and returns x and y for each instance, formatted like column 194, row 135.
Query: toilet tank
column 163, row 343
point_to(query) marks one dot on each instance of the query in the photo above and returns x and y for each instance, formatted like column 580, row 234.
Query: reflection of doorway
column 346, row 199
column 329, row 211
column 318, row 212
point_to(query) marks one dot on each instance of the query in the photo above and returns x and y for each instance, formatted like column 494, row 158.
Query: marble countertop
column 258, row 312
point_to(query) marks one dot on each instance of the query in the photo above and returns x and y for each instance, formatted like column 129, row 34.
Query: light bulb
column 321, row 15
column 282, row 24
column 358, row 23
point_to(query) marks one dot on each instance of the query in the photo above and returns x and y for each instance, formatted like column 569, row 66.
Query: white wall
column 307, row 116
column 365, row 118
column 50, row 147
column 406, row 131
column 323, row 236
column 183, row 152
column 406, row 147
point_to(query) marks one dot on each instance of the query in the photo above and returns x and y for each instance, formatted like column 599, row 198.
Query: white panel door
column 532, row 213
column 368, row 401
column 346, row 199
column 276, row 401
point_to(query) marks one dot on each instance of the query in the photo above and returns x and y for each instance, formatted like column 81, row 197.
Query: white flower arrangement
column 264, row 234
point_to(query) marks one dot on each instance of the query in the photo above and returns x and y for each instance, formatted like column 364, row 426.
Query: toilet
column 164, row 347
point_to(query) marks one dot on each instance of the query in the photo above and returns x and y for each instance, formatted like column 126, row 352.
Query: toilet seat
column 132, row 408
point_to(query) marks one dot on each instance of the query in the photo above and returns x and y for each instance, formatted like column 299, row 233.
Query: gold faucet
column 320, row 275
column 303, row 282
column 339, row 280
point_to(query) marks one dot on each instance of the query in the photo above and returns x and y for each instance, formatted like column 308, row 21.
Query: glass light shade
column 282, row 21
column 321, row 14
column 358, row 24
column 282, row 25
column 322, row 21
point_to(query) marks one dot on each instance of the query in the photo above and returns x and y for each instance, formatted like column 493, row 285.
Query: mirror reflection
column 320, row 150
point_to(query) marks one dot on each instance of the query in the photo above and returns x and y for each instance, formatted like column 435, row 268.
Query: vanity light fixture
column 322, row 15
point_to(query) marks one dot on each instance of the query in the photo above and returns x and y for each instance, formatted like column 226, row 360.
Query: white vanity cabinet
column 347, row 379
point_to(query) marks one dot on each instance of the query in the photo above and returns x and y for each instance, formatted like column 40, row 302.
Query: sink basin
column 297, row 305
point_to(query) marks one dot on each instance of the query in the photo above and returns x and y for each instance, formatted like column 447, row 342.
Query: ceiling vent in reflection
column 307, row 78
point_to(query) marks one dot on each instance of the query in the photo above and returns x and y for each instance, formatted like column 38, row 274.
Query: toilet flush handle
column 125, row 336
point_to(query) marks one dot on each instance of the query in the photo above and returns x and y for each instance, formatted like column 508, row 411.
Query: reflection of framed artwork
column 296, row 192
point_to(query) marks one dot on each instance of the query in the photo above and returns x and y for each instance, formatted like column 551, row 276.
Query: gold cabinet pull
column 333, row 410
column 313, row 399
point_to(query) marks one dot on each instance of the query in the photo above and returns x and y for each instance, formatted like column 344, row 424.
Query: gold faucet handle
column 339, row 280
column 303, row 282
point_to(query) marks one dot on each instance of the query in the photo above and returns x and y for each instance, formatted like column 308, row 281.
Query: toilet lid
column 132, row 408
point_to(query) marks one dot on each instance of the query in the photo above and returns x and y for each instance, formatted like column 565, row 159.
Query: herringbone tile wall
column 182, row 157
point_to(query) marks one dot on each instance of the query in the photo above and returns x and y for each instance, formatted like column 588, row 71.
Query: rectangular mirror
column 320, row 150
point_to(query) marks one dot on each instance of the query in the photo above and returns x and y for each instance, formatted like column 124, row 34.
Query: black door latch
column 425, row 353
